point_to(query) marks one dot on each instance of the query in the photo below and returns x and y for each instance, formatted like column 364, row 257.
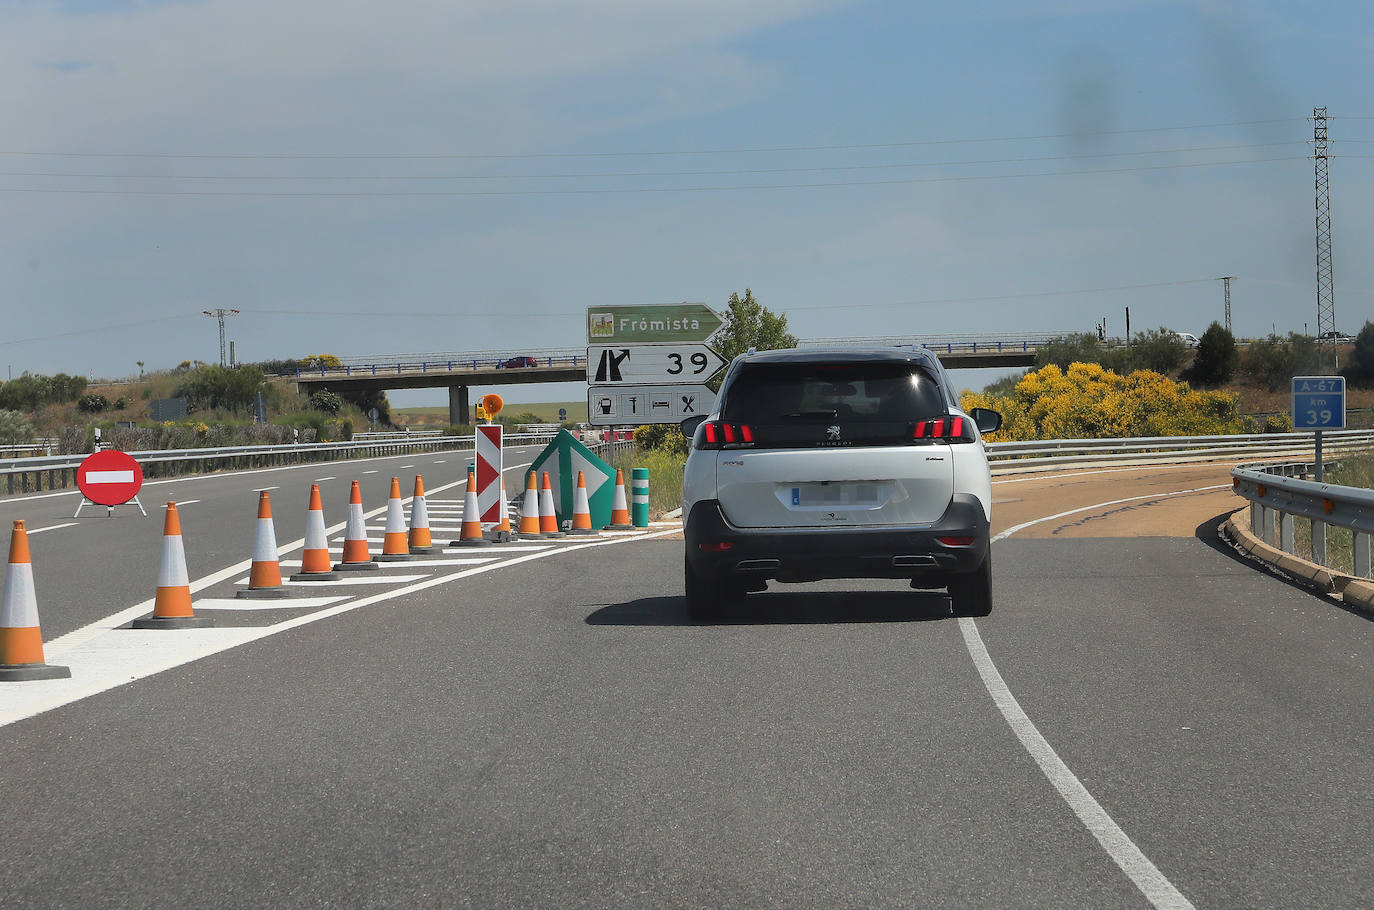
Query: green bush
column 1360, row 370
column 29, row 392
column 665, row 476
column 93, row 403
column 212, row 386
column 1216, row 359
column 327, row 401
column 661, row 437
column 14, row 428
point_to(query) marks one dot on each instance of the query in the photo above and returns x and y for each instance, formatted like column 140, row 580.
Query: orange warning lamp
column 492, row 404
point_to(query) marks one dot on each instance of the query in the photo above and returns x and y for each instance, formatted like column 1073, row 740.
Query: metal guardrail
column 38, row 445
column 1276, row 498
column 397, row 434
column 1052, row 452
column 23, row 475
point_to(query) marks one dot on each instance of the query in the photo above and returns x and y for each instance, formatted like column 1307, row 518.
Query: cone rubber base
column 618, row 528
column 21, row 672
column 315, row 576
column 392, row 557
column 262, row 593
column 422, row 551
column 356, row 566
column 581, row 532
column 500, row 536
column 172, row 622
column 471, row 542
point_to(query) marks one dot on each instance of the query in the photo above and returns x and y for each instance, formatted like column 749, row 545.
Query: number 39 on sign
column 1318, row 402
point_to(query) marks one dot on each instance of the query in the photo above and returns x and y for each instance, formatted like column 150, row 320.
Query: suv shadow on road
column 785, row 608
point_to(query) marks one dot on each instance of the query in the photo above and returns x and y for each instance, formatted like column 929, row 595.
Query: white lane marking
column 185, row 502
column 370, row 472
column 265, row 489
column 441, row 461
column 1144, row 874
column 53, row 527
column 404, row 466
column 102, row 658
column 109, row 477
column 234, row 603
column 1115, row 502
column 323, row 479
column 349, row 578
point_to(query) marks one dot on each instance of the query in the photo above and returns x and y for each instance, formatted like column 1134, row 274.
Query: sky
column 371, row 179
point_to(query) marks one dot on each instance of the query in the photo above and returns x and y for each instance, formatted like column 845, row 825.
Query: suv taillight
column 944, row 429
column 717, row 434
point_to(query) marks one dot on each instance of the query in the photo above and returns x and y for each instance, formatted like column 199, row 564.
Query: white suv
column 837, row 463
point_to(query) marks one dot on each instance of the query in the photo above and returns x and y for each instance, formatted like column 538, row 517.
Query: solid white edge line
column 1097, row 505
column 185, row 502
column 1144, row 874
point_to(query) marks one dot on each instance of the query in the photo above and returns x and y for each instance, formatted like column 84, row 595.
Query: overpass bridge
column 460, row 371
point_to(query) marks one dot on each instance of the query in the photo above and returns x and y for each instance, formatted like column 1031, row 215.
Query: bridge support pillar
column 458, row 411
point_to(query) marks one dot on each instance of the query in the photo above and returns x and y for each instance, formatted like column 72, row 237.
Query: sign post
column 109, row 478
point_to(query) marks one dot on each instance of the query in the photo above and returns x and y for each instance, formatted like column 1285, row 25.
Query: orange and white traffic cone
column 620, row 509
column 264, row 578
column 21, row 639
column 471, row 535
column 396, row 544
column 503, row 529
column 172, row 606
column 529, row 512
column 356, row 556
column 582, row 510
column 315, row 565
column 548, row 515
column 419, row 539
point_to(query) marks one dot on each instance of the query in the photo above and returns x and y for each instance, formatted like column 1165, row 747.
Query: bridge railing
column 1276, row 497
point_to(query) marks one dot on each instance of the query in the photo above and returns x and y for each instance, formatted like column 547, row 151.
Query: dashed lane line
column 67, row 524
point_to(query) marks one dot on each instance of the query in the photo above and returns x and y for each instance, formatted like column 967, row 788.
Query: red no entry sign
column 110, row 478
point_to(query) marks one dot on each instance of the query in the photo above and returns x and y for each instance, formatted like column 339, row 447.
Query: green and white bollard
column 639, row 498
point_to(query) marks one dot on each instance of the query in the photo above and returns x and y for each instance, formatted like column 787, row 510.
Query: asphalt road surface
column 1144, row 720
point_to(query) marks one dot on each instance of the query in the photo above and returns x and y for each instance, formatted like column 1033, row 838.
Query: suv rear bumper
column 812, row 554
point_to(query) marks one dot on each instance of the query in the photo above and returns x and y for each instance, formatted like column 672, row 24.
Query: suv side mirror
column 689, row 426
column 987, row 420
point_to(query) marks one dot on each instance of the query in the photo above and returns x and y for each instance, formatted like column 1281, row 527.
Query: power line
column 640, row 190
column 646, row 154
column 618, row 174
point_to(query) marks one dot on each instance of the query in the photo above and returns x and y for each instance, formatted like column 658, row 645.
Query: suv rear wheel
column 706, row 601
column 972, row 593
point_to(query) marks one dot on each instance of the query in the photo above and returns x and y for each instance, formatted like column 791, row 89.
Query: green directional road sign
column 563, row 458
column 650, row 322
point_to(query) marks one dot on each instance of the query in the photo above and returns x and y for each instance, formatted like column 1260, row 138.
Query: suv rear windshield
column 876, row 402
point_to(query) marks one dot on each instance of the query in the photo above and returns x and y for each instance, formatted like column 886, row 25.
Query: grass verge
column 665, row 478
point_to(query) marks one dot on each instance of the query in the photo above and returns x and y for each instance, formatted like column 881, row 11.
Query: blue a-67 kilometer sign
column 1318, row 402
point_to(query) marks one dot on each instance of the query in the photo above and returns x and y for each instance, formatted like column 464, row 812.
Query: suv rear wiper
column 810, row 415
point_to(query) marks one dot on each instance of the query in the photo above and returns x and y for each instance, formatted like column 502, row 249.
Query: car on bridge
column 517, row 363
column 837, row 463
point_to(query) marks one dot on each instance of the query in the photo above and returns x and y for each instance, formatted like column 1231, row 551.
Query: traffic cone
column 172, row 606
column 582, row 510
column 620, row 509
column 503, row 531
column 548, row 515
column 529, row 512
column 471, row 535
column 21, row 639
column 315, row 557
column 264, row 578
column 395, row 545
column 356, row 556
column 419, row 539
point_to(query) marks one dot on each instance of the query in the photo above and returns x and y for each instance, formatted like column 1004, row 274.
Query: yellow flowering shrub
column 1089, row 402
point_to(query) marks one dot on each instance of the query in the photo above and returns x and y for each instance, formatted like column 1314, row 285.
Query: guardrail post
column 1286, row 537
column 1361, row 546
column 1319, row 542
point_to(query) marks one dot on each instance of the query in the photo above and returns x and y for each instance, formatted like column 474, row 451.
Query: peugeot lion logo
column 832, row 432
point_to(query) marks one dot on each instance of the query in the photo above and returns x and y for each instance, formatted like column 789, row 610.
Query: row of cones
column 21, row 639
